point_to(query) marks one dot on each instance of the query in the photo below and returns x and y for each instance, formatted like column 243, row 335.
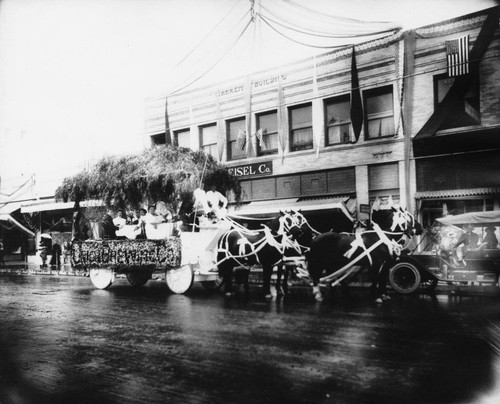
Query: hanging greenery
column 162, row 173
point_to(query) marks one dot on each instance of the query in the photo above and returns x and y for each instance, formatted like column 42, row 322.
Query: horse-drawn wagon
column 183, row 259
column 442, row 257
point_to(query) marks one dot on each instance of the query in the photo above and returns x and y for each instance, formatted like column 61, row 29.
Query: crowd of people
column 151, row 224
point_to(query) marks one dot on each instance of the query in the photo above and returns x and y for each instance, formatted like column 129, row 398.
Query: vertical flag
column 241, row 140
column 356, row 104
column 457, row 56
column 259, row 134
column 221, row 135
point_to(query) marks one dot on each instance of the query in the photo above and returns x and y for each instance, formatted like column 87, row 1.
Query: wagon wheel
column 138, row 279
column 404, row 277
column 179, row 280
column 428, row 285
column 213, row 285
column 101, row 278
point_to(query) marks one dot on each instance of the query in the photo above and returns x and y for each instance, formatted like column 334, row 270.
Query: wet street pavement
column 63, row 341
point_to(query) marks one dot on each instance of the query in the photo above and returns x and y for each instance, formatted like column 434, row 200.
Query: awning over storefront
column 270, row 208
column 8, row 218
column 475, row 218
column 453, row 193
column 43, row 206
column 7, row 208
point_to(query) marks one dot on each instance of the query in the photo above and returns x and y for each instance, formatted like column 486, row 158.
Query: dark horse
column 342, row 255
column 244, row 248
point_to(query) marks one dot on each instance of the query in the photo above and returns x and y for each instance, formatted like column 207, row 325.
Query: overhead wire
column 206, row 36
column 215, row 64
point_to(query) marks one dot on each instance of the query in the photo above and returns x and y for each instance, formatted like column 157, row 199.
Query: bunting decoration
column 457, row 56
column 316, row 131
column 248, row 120
column 221, row 137
column 281, row 120
column 356, row 104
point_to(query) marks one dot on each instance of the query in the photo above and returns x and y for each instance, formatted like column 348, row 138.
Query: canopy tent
column 474, row 218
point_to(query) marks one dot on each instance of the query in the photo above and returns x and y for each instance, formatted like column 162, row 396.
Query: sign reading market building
column 252, row 170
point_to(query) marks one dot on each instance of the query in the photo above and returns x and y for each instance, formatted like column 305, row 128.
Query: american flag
column 457, row 55
column 259, row 135
column 241, row 141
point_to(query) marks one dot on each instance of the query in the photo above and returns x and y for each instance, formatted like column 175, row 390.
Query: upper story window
column 379, row 109
column 338, row 120
column 158, row 139
column 182, row 138
column 301, row 131
column 208, row 139
column 236, row 144
column 267, row 140
column 466, row 111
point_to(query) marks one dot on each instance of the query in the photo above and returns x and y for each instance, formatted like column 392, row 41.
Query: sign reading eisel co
column 252, row 170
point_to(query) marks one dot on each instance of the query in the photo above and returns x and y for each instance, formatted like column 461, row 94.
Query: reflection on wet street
column 63, row 341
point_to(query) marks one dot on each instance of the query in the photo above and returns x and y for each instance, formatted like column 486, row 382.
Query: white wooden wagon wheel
column 101, row 278
column 179, row 280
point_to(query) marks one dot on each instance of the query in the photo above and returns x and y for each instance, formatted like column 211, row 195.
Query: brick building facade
column 428, row 140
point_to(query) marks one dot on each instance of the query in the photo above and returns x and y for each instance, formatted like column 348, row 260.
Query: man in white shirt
column 119, row 221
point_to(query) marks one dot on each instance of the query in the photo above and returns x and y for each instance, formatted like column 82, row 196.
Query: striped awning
column 453, row 193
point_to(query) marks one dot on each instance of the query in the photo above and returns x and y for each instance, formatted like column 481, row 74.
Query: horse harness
column 393, row 247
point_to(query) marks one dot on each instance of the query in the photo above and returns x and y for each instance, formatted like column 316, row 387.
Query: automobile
column 438, row 258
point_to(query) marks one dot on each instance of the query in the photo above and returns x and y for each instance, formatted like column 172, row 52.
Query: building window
column 158, row 139
column 236, row 146
column 208, row 139
column 383, row 181
column 268, row 125
column 338, row 120
column 379, row 107
column 182, row 138
column 301, row 131
column 466, row 111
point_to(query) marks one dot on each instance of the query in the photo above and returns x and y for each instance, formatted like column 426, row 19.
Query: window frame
column 374, row 92
column 461, row 118
column 300, row 146
column 268, row 152
column 346, row 98
column 232, row 142
column 182, row 131
column 209, row 145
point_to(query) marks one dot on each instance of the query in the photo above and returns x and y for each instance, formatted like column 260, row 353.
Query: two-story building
column 330, row 133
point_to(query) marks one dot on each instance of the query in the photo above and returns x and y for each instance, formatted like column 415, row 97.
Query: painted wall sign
column 364, row 208
column 255, row 83
column 252, row 170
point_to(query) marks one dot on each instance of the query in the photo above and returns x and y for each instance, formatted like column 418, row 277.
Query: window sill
column 367, row 138
column 295, row 148
column 268, row 152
